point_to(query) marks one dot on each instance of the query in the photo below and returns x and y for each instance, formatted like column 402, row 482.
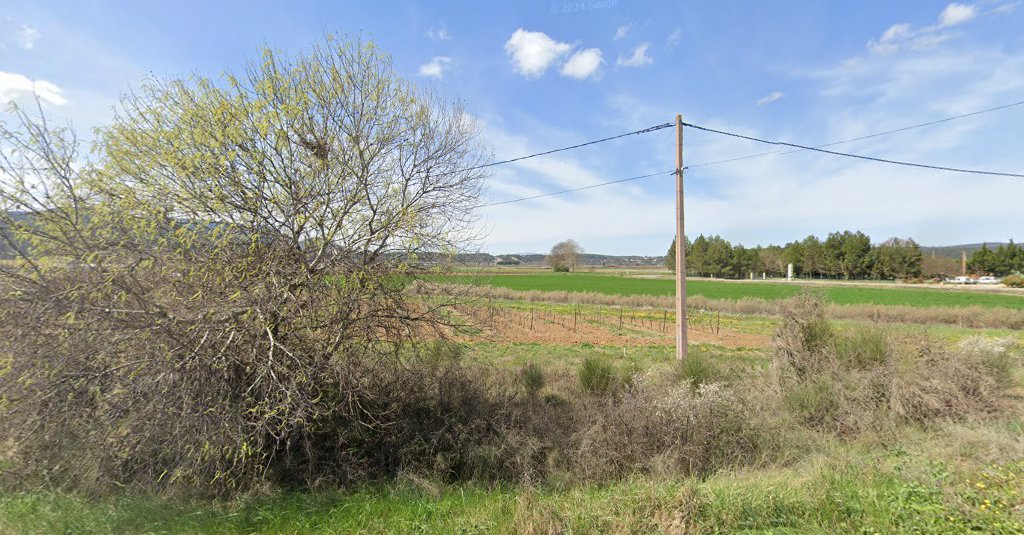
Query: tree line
column 842, row 255
column 1001, row 261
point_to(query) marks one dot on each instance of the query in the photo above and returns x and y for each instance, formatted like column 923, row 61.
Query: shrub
column 804, row 340
column 868, row 378
column 533, row 378
column 663, row 430
column 862, row 347
column 1001, row 355
column 815, row 402
column 442, row 352
column 596, row 375
column 1014, row 281
column 698, row 368
column 187, row 313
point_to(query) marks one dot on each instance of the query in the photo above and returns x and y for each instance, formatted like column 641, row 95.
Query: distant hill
column 953, row 251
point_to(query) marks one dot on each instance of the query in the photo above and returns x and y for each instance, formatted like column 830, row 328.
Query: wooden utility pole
column 680, row 248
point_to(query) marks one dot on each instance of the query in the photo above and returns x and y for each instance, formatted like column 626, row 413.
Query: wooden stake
column 681, row 338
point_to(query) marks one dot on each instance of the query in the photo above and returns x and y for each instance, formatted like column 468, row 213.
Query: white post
column 789, row 272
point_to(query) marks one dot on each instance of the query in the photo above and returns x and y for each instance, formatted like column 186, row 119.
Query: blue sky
column 544, row 74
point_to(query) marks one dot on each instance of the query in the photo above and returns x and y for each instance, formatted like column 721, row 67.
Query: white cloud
column 903, row 36
column 534, row 52
column 623, row 31
column 436, row 67
column 638, row 59
column 674, row 37
column 818, row 193
column 890, row 40
column 956, row 14
column 583, row 63
column 14, row 86
column 438, row 34
column 27, row 37
column 770, row 98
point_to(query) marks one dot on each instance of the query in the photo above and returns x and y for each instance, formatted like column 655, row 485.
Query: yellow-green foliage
column 221, row 295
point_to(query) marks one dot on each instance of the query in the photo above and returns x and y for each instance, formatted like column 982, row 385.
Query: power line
column 594, row 142
column 849, row 155
column 577, row 189
column 797, row 148
column 868, row 136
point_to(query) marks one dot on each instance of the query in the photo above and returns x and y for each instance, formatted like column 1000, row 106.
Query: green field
column 713, row 289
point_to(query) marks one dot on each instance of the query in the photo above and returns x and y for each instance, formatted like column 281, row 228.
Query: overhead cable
column 850, row 155
column 594, row 142
column 868, row 136
column 610, row 182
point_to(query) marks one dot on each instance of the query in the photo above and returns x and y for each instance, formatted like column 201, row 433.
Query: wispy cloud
column 674, row 37
column 904, row 36
column 622, row 31
column 436, row 67
column 639, row 58
column 776, row 95
column 438, row 34
column 27, row 37
column 533, row 53
column 1008, row 7
column 14, row 86
column 583, row 64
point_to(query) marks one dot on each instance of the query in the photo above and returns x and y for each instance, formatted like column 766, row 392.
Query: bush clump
column 662, row 430
column 533, row 378
column 867, row 378
column 1014, row 281
column 698, row 369
column 596, row 375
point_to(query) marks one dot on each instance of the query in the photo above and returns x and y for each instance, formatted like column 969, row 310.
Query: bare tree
column 565, row 256
column 208, row 302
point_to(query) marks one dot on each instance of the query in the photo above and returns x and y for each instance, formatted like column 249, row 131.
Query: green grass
column 712, row 289
column 892, row 493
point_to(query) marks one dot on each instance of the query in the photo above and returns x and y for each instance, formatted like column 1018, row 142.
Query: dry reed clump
column 660, row 429
column 1001, row 355
column 868, row 378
